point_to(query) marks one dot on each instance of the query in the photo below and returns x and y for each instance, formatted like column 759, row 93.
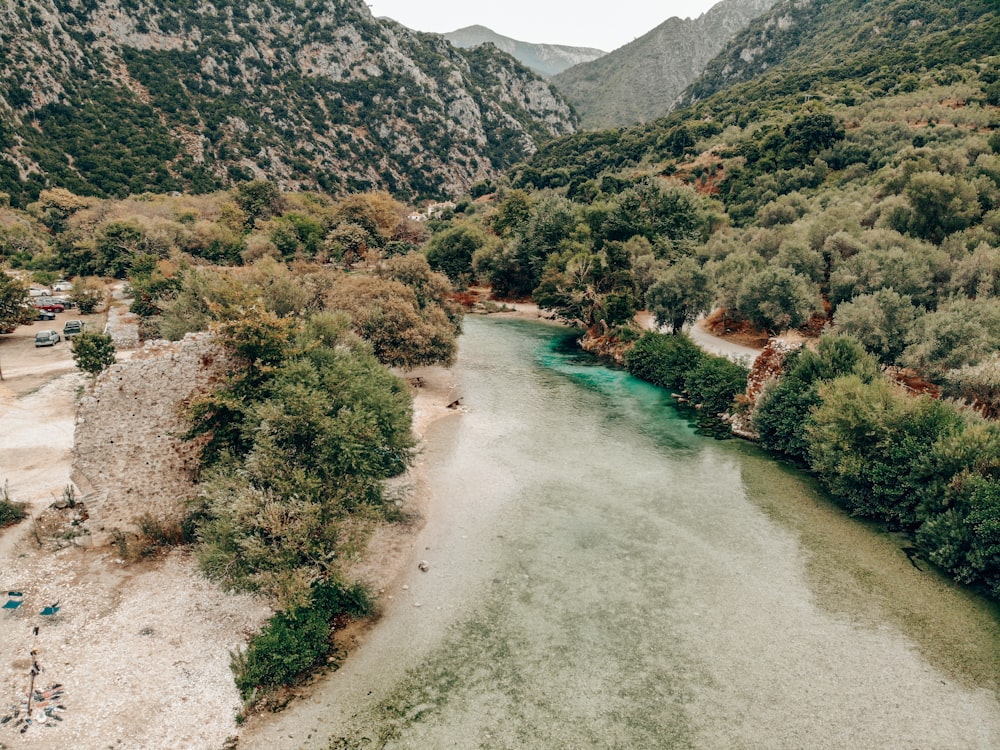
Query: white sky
column 576, row 23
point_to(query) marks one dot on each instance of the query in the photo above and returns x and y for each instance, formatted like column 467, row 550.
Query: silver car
column 47, row 338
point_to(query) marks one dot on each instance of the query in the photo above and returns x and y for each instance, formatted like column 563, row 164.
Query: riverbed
column 599, row 575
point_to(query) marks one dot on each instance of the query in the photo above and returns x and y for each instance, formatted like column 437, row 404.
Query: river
column 601, row 576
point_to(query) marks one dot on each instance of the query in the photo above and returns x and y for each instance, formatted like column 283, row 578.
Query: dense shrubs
column 10, row 512
column 298, row 639
column 675, row 362
column 920, row 465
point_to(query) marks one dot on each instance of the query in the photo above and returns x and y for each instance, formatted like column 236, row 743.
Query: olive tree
column 776, row 299
column 880, row 321
column 680, row 294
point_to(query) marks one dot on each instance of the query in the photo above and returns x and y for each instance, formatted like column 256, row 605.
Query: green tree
column 663, row 360
column 961, row 332
column 452, row 250
column 87, row 294
column 258, row 199
column 680, row 294
column 942, row 204
column 15, row 308
column 783, row 410
column 317, row 435
column 964, row 539
column 93, row 352
column 712, row 386
column 388, row 314
column 868, row 443
column 880, row 321
column 776, row 299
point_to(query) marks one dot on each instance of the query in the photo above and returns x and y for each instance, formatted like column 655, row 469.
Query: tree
column 680, row 294
column 87, row 293
column 713, row 386
column 663, row 360
column 961, row 332
column 777, row 299
column 93, row 352
column 880, row 321
column 15, row 308
column 257, row 199
column 452, row 250
column 319, row 431
column 965, row 538
column 387, row 314
column 868, row 443
column 942, row 204
column 783, row 410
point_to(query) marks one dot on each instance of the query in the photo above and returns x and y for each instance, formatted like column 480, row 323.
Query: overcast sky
column 605, row 25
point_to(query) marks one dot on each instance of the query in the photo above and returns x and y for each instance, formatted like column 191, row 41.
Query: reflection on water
column 610, row 579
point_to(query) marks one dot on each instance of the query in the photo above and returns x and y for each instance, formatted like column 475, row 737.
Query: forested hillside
column 106, row 98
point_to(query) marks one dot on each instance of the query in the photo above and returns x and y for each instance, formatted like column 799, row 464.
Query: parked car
column 62, row 286
column 72, row 328
column 47, row 338
column 50, row 304
column 45, row 315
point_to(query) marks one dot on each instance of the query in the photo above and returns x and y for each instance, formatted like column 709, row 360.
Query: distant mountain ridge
column 545, row 59
column 109, row 98
column 640, row 81
column 799, row 44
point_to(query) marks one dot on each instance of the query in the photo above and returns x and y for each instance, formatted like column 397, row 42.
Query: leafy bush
column 93, row 352
column 663, row 360
column 10, row 512
column 713, row 385
column 297, row 640
column 867, row 443
column 783, row 411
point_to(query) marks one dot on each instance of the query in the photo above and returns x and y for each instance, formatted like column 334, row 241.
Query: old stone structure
column 129, row 459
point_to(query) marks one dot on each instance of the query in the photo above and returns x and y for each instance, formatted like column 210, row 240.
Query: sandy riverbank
column 389, row 566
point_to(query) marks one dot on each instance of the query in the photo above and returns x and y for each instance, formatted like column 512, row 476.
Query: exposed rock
column 767, row 368
column 310, row 95
column 544, row 59
column 640, row 81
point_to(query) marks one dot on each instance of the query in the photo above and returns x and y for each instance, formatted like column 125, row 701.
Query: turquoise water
column 605, row 577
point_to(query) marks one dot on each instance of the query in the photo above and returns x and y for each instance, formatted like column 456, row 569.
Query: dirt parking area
column 25, row 367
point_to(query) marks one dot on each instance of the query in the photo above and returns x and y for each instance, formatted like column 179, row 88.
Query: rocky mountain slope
column 802, row 44
column 110, row 97
column 640, row 81
column 544, row 59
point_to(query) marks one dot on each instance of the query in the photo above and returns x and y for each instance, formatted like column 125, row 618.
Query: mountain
column 109, row 98
column 544, row 59
column 639, row 82
column 800, row 45
column 804, row 57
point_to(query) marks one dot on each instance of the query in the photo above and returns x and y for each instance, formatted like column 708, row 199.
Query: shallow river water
column 604, row 577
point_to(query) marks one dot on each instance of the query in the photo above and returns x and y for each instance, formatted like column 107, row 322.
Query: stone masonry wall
column 128, row 458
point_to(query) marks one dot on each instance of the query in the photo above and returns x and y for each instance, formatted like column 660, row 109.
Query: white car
column 62, row 286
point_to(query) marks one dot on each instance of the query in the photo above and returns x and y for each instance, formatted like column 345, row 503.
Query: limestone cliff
column 111, row 97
